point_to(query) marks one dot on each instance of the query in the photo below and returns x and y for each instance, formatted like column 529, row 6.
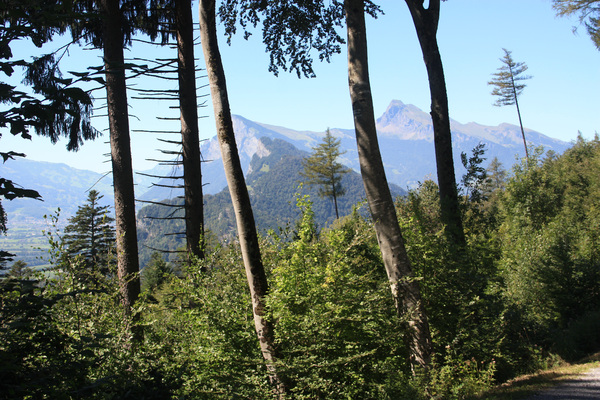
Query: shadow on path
column 582, row 387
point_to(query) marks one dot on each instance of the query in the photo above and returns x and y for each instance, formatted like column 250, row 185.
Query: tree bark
column 116, row 93
column 426, row 24
column 405, row 289
column 188, row 106
column 247, row 235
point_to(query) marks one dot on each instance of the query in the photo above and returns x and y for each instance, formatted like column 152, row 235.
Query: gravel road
column 584, row 387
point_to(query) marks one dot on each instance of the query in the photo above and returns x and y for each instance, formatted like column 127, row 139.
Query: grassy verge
column 527, row 385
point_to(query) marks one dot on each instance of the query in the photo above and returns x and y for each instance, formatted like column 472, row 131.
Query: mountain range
column 405, row 138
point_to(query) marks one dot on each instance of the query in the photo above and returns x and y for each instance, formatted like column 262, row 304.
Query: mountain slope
column 273, row 181
column 58, row 184
column 405, row 139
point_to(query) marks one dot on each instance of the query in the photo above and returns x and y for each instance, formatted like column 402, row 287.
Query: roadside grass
column 525, row 386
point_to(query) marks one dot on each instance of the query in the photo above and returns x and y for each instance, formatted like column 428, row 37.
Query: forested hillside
column 274, row 183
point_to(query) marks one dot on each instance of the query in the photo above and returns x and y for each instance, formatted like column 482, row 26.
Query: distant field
column 28, row 243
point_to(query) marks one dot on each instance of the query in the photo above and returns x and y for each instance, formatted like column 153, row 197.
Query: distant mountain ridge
column 59, row 185
column 405, row 138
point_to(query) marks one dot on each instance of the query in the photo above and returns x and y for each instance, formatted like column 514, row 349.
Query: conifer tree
column 322, row 169
column 507, row 86
column 91, row 233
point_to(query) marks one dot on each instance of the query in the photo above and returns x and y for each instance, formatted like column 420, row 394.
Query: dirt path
column 583, row 387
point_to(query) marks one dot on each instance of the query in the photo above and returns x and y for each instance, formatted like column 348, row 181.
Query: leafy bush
column 338, row 333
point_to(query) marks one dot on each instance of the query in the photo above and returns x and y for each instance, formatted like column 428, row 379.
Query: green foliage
column 337, row 330
column 460, row 379
column 550, row 239
column 322, row 169
column 155, row 273
column 200, row 332
column 455, row 283
column 476, row 176
column 521, row 295
column 55, row 106
column 91, row 234
column 588, row 12
column 291, row 31
column 63, row 336
column 19, row 270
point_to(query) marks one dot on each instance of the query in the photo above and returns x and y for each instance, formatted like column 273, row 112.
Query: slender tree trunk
column 188, row 105
column 519, row 113
column 426, row 23
column 120, row 150
column 334, row 194
column 405, row 289
column 247, row 235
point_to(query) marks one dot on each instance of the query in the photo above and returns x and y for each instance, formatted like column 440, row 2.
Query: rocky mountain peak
column 405, row 122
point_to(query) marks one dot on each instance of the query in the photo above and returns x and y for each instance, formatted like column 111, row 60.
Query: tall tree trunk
column 120, row 150
column 426, row 24
column 247, row 235
column 405, row 289
column 188, row 106
column 512, row 78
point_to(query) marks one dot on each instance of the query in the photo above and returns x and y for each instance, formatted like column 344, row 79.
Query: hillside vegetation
column 273, row 181
column 521, row 296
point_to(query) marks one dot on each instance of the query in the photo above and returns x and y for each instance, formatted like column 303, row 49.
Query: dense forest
column 521, row 296
column 438, row 293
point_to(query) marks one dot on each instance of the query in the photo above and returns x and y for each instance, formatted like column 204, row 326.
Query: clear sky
column 561, row 99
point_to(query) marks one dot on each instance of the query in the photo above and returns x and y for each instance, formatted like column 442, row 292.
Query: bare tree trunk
column 426, row 23
column 335, row 204
column 116, row 93
column 188, row 105
column 247, row 235
column 519, row 114
column 405, row 289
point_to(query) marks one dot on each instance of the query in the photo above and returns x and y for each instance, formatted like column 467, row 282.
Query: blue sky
column 560, row 100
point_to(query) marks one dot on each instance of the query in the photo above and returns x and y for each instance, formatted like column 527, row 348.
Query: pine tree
column 91, row 233
column 508, row 88
column 322, row 169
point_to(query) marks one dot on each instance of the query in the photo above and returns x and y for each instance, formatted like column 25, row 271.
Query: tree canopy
column 588, row 12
